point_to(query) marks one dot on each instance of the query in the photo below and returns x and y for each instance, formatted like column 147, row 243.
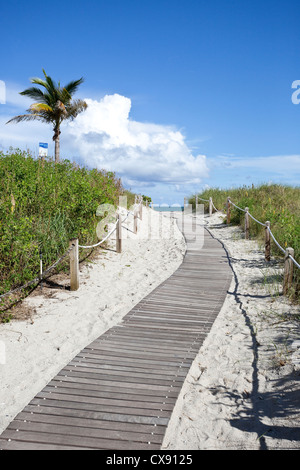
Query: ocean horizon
column 168, row 208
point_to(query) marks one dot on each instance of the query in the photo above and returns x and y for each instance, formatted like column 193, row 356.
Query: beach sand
column 242, row 391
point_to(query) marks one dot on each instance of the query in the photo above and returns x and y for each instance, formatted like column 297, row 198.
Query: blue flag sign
column 43, row 149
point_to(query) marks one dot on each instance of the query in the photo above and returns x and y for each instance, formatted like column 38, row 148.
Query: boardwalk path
column 119, row 392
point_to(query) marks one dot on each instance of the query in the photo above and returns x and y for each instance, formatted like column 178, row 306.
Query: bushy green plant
column 276, row 203
column 42, row 206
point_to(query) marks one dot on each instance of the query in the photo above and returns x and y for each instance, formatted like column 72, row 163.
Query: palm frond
column 34, row 93
column 38, row 81
column 72, row 86
column 76, row 107
column 65, row 96
column 27, row 117
column 50, row 86
column 38, row 107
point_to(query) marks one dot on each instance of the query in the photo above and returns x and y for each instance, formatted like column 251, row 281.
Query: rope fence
column 74, row 246
column 117, row 227
column 73, row 250
column 289, row 260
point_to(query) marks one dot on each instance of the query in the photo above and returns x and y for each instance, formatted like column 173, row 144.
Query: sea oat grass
column 276, row 203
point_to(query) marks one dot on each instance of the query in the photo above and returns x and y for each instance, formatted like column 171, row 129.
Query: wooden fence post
column 210, row 207
column 267, row 242
column 119, row 234
column 228, row 210
column 288, row 270
column 135, row 221
column 246, row 223
column 74, row 265
column 141, row 210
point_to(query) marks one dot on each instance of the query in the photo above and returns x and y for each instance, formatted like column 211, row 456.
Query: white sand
column 36, row 350
column 241, row 391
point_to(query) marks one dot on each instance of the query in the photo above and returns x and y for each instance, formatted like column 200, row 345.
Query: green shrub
column 42, row 206
column 275, row 203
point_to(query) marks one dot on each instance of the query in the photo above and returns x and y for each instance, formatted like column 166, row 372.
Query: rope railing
column 73, row 251
column 102, row 241
column 39, row 278
column 117, row 227
column 289, row 259
column 109, row 234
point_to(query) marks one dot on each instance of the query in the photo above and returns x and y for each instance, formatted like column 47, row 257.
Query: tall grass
column 42, row 206
column 275, row 203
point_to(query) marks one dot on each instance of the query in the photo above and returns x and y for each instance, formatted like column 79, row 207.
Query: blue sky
column 182, row 94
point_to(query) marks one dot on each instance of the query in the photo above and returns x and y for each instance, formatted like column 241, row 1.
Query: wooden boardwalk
column 119, row 392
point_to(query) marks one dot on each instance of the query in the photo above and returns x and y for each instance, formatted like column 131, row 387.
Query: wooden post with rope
column 267, row 242
column 119, row 234
column 141, row 208
column 74, row 265
column 210, row 207
column 246, row 223
column 228, row 210
column 135, row 221
column 288, row 270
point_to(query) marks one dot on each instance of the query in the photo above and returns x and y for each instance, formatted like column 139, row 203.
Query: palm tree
column 54, row 105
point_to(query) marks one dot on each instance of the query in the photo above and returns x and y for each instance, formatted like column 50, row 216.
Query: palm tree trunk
column 57, row 149
column 56, row 140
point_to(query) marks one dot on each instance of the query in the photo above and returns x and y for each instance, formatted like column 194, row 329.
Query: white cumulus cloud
column 104, row 136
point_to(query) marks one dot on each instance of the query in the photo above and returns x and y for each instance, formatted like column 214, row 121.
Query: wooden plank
column 79, row 404
column 91, row 423
column 125, row 343
column 6, row 444
column 97, row 415
column 128, row 366
column 147, row 388
column 86, row 431
column 80, row 390
column 111, row 401
column 158, row 357
column 121, row 378
column 103, row 357
column 106, row 386
column 75, row 441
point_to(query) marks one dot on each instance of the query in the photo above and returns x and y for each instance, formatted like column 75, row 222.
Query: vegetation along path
column 119, row 392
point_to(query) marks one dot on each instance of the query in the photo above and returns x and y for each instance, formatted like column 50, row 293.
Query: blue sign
column 43, row 149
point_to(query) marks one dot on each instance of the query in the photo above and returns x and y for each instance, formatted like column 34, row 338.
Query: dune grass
column 42, row 206
column 276, row 203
